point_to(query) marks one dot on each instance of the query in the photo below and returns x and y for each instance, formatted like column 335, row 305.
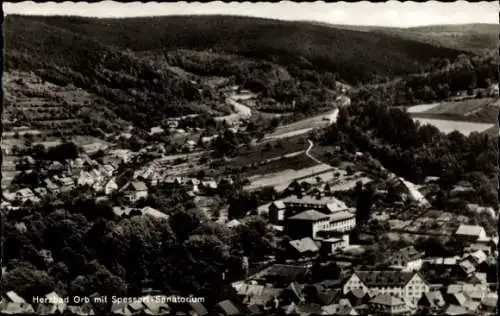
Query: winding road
column 308, row 154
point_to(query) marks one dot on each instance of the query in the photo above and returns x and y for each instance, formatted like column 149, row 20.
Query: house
column 333, row 244
column 408, row 286
column 454, row 310
column 489, row 303
column 475, row 291
column 24, row 195
column 123, row 156
column 408, row 259
column 156, row 130
column 107, row 170
column 432, row 300
column 306, row 224
column 55, row 305
column 56, row 166
column 477, row 257
column 111, row 186
column 81, row 310
column 172, row 182
column 257, row 295
column 467, row 267
column 85, row 179
column 457, row 298
column 389, row 305
column 153, row 212
column 277, row 212
column 189, row 145
column 358, row 297
column 208, row 187
column 67, row 184
column 471, row 232
column 207, row 140
column 51, row 187
column 197, row 309
column 227, row 308
column 122, row 211
column 281, row 274
column 41, row 192
column 305, row 247
column 338, row 309
column 135, row 190
column 12, row 303
column 136, row 307
column 233, row 223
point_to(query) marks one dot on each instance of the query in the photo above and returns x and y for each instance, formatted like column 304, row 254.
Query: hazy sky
column 392, row 13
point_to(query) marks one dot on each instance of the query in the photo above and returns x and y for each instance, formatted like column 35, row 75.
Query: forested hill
column 475, row 38
column 355, row 56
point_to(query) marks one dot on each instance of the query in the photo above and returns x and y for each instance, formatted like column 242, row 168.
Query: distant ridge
column 356, row 56
column 476, row 38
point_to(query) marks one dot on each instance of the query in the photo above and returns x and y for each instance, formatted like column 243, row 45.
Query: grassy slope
column 356, row 56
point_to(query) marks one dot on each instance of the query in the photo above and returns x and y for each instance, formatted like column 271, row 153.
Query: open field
column 295, row 161
column 261, row 154
column 448, row 126
column 280, row 180
column 461, row 108
column 302, row 126
column 467, row 116
column 421, row 108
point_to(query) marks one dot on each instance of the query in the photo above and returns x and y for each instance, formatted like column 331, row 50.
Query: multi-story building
column 409, row 286
column 311, row 222
column 406, row 259
column 307, row 224
column 320, row 203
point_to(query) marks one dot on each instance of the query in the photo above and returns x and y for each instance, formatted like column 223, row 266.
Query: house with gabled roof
column 135, row 190
column 54, row 305
column 111, row 186
column 304, row 247
column 409, row 286
column 467, row 267
column 227, row 308
column 12, row 303
column 432, row 300
column 408, row 259
column 24, row 195
column 136, row 306
column 67, row 184
column 197, row 309
column 471, row 232
column 52, row 187
column 389, row 305
column 455, row 310
column 277, row 212
column 41, row 192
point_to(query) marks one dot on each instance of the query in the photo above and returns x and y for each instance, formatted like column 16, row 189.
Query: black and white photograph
column 239, row 158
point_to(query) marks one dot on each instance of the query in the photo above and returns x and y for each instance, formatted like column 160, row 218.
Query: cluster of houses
column 150, row 304
column 156, row 176
column 399, row 288
column 80, row 172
